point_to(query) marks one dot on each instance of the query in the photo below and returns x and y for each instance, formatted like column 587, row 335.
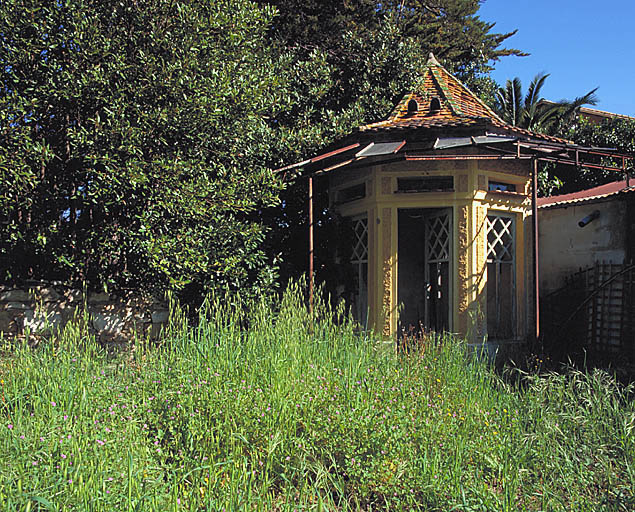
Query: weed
column 265, row 406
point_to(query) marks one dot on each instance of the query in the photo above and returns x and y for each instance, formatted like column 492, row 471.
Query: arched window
column 435, row 105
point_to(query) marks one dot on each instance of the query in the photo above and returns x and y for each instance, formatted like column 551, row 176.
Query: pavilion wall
column 470, row 202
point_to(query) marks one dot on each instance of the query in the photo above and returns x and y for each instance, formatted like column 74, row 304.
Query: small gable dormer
column 435, row 106
column 413, row 107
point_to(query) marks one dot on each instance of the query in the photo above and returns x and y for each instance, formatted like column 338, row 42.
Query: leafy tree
column 452, row 30
column 533, row 112
column 354, row 61
column 449, row 28
column 344, row 35
column 618, row 133
column 371, row 52
column 135, row 142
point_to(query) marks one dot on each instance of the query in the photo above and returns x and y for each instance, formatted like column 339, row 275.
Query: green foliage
column 532, row 112
column 355, row 60
column 299, row 411
column 579, row 430
column 134, row 142
column 352, row 62
column 449, row 28
column 615, row 133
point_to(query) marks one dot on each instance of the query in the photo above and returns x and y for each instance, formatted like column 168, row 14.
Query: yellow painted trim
column 381, row 206
column 394, row 240
column 520, row 282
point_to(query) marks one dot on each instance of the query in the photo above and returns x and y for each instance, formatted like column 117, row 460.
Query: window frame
column 512, row 230
column 358, row 261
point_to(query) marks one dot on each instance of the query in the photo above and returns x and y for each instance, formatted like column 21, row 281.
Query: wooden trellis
column 595, row 309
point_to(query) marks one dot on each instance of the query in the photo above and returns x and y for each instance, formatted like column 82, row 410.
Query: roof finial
column 432, row 61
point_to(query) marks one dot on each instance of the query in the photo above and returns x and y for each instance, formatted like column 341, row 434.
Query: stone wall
column 44, row 308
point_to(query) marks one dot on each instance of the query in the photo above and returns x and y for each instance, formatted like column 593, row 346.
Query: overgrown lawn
column 264, row 407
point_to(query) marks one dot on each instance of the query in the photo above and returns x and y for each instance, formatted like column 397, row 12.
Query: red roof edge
column 584, row 195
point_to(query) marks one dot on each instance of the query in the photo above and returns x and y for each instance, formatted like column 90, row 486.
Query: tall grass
column 264, row 406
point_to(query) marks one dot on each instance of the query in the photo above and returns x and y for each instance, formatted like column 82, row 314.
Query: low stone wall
column 44, row 308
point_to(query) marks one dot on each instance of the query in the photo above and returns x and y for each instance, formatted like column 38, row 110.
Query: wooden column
column 534, row 214
column 387, row 271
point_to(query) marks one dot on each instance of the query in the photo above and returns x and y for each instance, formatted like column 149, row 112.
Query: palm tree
column 535, row 113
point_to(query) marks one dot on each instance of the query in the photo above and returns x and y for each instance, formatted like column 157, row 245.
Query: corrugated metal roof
column 591, row 194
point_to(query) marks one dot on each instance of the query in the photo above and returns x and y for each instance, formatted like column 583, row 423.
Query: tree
column 135, row 142
column 354, row 61
column 449, row 28
column 345, row 33
column 535, row 113
column 617, row 133
column 370, row 53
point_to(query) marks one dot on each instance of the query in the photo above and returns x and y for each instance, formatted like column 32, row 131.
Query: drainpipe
column 534, row 213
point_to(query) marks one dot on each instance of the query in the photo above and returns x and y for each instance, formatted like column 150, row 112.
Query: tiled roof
column 602, row 114
column 606, row 190
column 459, row 107
column 433, row 122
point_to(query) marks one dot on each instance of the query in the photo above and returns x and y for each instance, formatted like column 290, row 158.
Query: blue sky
column 583, row 44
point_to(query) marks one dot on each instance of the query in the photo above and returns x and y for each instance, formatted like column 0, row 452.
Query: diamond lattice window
column 438, row 239
column 500, row 239
column 501, row 277
column 359, row 264
column 360, row 246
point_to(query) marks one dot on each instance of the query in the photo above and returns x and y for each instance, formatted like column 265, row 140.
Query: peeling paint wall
column 565, row 247
column 470, row 202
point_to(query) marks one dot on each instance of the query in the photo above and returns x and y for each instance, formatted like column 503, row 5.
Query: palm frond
column 569, row 109
column 517, row 100
column 532, row 101
column 533, row 93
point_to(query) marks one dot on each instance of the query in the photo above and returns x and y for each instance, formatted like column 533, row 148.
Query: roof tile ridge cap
column 441, row 84
column 479, row 100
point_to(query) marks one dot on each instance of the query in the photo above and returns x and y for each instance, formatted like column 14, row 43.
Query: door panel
column 438, row 246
